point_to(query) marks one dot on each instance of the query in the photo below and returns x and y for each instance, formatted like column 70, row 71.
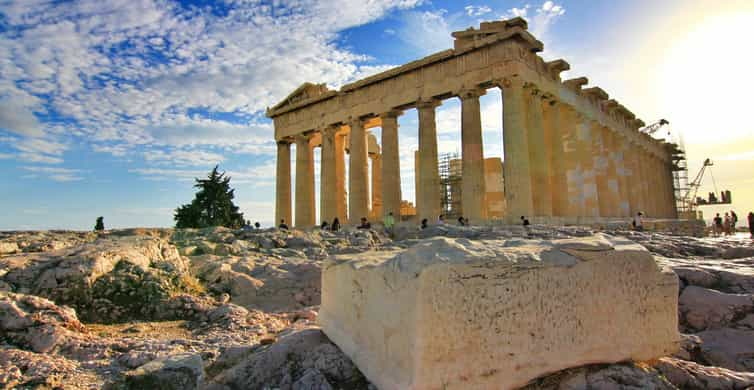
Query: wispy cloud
column 56, row 173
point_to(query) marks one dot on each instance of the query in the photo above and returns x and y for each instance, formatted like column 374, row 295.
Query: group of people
column 726, row 225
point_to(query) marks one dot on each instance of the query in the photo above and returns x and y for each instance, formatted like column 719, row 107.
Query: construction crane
column 691, row 200
column 652, row 128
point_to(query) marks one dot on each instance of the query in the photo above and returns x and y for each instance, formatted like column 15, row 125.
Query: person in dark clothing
column 283, row 225
column 718, row 224
column 424, row 223
column 364, row 224
column 324, row 226
column 335, row 224
column 461, row 221
column 524, row 221
column 257, row 225
column 733, row 221
column 751, row 224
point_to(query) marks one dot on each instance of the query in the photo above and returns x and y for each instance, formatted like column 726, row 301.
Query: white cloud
column 93, row 64
column 477, row 10
column 542, row 18
column 56, row 173
column 183, row 157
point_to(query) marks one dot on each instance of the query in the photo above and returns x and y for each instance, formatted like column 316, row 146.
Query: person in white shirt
column 638, row 222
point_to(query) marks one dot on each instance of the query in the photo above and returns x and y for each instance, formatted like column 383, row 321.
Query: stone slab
column 461, row 314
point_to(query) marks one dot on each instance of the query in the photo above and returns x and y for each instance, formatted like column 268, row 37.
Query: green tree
column 99, row 225
column 212, row 205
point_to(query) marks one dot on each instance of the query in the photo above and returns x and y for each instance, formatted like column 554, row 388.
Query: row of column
column 558, row 162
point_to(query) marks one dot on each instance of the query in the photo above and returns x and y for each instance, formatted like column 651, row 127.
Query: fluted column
column 328, row 179
column 621, row 171
column 358, row 169
column 585, row 149
column 645, row 179
column 516, row 168
column 538, row 155
column 573, row 189
column 554, row 142
column 473, row 190
column 341, row 201
column 283, row 184
column 391, row 165
column 376, row 185
column 305, row 212
column 600, row 161
column 428, row 196
column 637, row 181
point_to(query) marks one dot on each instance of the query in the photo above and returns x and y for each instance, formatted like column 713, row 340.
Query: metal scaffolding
column 449, row 167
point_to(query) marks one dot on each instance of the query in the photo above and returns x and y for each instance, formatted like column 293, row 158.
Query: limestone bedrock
column 494, row 314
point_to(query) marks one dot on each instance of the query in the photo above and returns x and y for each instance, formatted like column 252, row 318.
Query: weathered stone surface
column 177, row 372
column 729, row 348
column 693, row 376
column 455, row 313
column 702, row 308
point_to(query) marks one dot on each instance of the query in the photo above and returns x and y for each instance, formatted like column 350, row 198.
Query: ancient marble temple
column 571, row 154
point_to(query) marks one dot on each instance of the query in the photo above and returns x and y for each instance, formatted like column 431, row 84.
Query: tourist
column 441, row 220
column 388, row 221
column 324, row 226
column 283, row 225
column 733, row 221
column 638, row 222
column 424, row 223
column 717, row 225
column 726, row 224
column 461, row 221
column 524, row 221
column 751, row 224
column 257, row 225
column 335, row 224
column 364, row 224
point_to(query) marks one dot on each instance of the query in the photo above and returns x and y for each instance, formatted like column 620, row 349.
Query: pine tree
column 212, row 205
column 99, row 225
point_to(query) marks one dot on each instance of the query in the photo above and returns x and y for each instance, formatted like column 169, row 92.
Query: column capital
column 471, row 93
column 391, row 114
column 329, row 131
column 427, row 103
column 303, row 137
column 284, row 141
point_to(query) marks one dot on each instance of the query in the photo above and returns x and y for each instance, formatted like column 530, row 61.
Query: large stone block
column 494, row 314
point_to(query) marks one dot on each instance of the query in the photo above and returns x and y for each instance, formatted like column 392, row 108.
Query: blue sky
column 112, row 107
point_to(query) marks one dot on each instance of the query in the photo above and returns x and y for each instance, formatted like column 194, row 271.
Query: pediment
column 305, row 92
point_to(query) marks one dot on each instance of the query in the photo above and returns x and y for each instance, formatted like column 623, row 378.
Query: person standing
column 283, row 225
column 718, row 222
column 335, row 226
column 733, row 221
column 726, row 224
column 751, row 224
column 389, row 222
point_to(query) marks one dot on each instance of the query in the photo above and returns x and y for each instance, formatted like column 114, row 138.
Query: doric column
column 283, row 184
column 638, row 202
column 358, row 170
column 573, row 189
column 554, row 142
column 516, row 168
column 305, row 212
column 340, row 177
column 607, row 181
column 428, row 196
column 622, row 172
column 376, row 185
column 644, row 185
column 585, row 149
column 328, row 179
column 391, row 165
column 539, row 159
column 473, row 189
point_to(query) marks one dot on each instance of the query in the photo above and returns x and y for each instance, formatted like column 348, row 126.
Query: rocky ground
column 225, row 309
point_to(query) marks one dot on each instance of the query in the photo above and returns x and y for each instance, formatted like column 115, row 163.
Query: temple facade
column 571, row 154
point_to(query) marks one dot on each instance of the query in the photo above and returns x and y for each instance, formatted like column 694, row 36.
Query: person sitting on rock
column 638, row 222
column 424, row 223
column 364, row 224
column 441, row 220
column 335, row 226
column 461, row 221
column 524, row 221
column 324, row 226
column 283, row 225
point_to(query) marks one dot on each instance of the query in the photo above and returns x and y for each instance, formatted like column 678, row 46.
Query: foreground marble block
column 495, row 314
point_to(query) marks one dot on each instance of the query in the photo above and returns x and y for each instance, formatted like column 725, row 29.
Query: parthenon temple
column 571, row 154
